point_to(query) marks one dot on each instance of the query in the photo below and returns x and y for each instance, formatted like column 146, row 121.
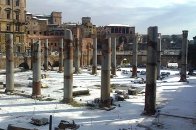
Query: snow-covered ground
column 175, row 100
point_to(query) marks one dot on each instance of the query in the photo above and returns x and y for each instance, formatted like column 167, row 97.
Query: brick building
column 44, row 25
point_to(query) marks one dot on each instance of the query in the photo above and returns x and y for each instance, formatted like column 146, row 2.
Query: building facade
column 88, row 29
column 12, row 20
column 124, row 35
column 44, row 25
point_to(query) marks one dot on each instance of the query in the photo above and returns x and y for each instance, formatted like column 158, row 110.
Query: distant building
column 171, row 41
column 35, row 25
column 123, row 33
column 84, row 34
column 44, row 25
column 12, row 20
column 76, row 30
column 88, row 29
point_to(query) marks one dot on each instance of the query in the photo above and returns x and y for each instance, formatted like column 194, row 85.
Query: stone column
column 105, row 73
column 151, row 70
column 68, row 66
column 36, row 69
column 32, row 42
column 88, row 55
column 82, row 57
column 159, row 56
column 94, row 67
column 46, row 55
column 61, row 56
column 184, row 51
column 77, row 56
column 113, row 65
column 135, row 53
column 9, row 63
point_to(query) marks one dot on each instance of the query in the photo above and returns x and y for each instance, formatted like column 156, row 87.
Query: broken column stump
column 132, row 91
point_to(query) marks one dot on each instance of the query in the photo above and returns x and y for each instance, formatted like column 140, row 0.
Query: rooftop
column 120, row 25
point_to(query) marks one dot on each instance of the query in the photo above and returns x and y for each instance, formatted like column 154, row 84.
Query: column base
column 67, row 100
column 9, row 91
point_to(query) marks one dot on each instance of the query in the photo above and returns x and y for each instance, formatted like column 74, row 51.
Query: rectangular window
column 8, row 2
column 120, row 30
column 17, row 2
column 112, row 29
column 17, row 15
column 116, row 30
column 127, row 30
column 123, row 30
column 8, row 15
column 17, row 28
column 17, row 39
column 8, row 27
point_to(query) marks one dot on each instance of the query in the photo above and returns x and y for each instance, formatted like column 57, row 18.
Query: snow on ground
column 176, row 101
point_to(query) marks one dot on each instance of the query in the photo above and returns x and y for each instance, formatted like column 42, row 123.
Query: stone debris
column 81, row 92
column 132, row 91
column 44, row 85
column 43, row 76
column 39, row 122
column 135, row 90
column 64, row 125
column 121, row 95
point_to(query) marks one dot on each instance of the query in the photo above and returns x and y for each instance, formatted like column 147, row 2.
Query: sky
column 171, row 16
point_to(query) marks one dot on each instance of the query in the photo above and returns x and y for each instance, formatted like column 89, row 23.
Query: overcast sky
column 171, row 16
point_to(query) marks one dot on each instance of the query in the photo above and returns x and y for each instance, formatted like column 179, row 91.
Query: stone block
column 11, row 127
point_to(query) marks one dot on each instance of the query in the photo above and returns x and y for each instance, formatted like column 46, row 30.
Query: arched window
column 8, row 13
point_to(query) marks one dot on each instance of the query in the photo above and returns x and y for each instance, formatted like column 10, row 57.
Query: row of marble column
column 153, row 51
